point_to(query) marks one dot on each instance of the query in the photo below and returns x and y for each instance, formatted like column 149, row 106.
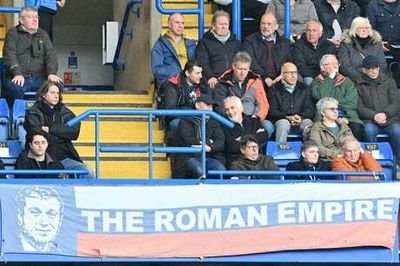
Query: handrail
column 124, row 32
column 344, row 174
column 199, row 11
column 150, row 148
column 75, row 173
column 9, row 9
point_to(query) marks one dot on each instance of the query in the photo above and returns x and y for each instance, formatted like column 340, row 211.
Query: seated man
column 189, row 135
column 36, row 157
column 29, row 57
column 378, row 104
column 268, row 49
column 217, row 48
column 308, row 51
column 244, row 124
column 309, row 161
column 251, row 159
column 241, row 82
column 332, row 84
column 50, row 115
column 181, row 91
column 171, row 51
column 292, row 107
column 356, row 160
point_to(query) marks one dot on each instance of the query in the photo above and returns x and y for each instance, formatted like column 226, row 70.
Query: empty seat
column 4, row 120
column 284, row 152
column 383, row 153
column 19, row 109
column 9, row 152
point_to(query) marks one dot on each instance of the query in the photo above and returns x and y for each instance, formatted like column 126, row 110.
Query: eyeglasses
column 252, row 147
column 332, row 109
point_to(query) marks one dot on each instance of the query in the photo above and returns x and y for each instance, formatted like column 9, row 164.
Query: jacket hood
column 375, row 37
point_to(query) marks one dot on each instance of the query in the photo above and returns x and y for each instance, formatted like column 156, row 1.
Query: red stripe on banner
column 237, row 242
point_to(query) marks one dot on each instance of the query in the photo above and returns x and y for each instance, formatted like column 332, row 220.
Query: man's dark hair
column 246, row 139
column 190, row 64
column 31, row 135
column 308, row 144
column 46, row 87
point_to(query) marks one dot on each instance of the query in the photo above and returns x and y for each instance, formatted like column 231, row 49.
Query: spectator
column 171, row 51
column 355, row 159
column 359, row 42
column 330, row 131
column 336, row 16
column 301, row 12
column 268, row 50
column 378, row 104
column 181, row 91
column 292, row 107
column 189, row 135
column 29, row 57
column 332, row 84
column 50, row 115
column 309, row 161
column 309, row 49
column 47, row 9
column 217, row 48
column 239, row 81
column 243, row 124
column 36, row 157
column 250, row 159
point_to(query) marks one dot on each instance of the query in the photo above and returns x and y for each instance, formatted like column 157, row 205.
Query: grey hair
column 316, row 22
column 357, row 22
column 322, row 104
column 219, row 13
column 236, row 100
column 325, row 57
column 242, row 56
column 26, row 10
column 348, row 140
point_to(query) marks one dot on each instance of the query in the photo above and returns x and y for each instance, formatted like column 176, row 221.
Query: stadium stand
column 383, row 153
column 284, row 152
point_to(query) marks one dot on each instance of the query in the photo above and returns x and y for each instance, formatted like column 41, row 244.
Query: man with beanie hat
column 378, row 104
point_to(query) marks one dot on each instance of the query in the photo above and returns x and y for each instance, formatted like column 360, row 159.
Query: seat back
column 4, row 120
column 284, row 152
column 9, row 152
column 383, row 153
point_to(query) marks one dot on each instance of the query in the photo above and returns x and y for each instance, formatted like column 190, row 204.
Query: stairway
column 191, row 21
column 118, row 130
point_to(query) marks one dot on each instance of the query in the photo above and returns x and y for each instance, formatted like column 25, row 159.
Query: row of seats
column 286, row 152
column 16, row 117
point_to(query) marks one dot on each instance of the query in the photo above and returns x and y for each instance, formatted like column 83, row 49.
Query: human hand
column 269, row 82
column 19, row 80
column 45, row 129
column 61, row 3
column 335, row 41
column 380, row 118
column 54, row 78
column 212, row 82
column 384, row 46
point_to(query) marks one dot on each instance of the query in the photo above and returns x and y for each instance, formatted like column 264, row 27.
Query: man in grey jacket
column 29, row 57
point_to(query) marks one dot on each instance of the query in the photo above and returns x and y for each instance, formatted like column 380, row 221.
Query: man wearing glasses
column 29, row 57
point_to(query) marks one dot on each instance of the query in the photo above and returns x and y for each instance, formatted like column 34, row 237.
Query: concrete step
column 88, row 150
column 107, row 98
column 191, row 21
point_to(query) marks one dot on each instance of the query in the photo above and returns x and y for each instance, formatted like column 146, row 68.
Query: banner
column 196, row 221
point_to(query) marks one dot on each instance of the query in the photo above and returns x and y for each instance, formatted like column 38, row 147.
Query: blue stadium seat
column 9, row 152
column 19, row 109
column 284, row 152
column 383, row 153
column 4, row 120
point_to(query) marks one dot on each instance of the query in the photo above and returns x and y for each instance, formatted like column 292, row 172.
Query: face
column 373, row 72
column 38, row 146
column 41, row 219
column 268, row 25
column 313, row 32
column 52, row 96
column 311, row 155
column 176, row 24
column 351, row 152
column 331, row 112
column 221, row 26
column 289, row 73
column 250, row 151
column 203, row 106
column 330, row 66
column 30, row 20
column 194, row 76
column 362, row 31
column 233, row 111
column 240, row 70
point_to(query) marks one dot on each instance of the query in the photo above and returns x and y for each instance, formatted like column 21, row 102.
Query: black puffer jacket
column 26, row 161
column 303, row 166
column 216, row 57
column 60, row 135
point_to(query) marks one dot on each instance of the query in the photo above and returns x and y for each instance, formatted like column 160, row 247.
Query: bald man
column 291, row 104
column 171, row 51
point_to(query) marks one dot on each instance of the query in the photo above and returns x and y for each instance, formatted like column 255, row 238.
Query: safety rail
column 9, row 9
column 117, row 64
column 75, row 173
column 151, row 148
column 282, row 174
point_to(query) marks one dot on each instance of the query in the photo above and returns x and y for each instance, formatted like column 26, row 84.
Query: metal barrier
column 150, row 148
column 75, row 173
column 9, row 9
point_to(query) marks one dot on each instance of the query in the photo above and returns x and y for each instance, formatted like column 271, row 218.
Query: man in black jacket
column 36, row 157
column 50, row 115
column 29, row 57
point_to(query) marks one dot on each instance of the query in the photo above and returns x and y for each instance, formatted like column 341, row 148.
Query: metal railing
column 150, row 148
column 74, row 173
column 9, row 9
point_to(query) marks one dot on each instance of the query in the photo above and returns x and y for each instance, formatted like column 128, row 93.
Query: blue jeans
column 393, row 130
column 71, row 164
column 32, row 84
column 193, row 166
column 268, row 126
